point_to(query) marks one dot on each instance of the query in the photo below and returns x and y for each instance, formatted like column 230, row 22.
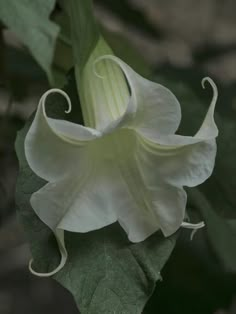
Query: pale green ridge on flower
column 131, row 169
column 103, row 96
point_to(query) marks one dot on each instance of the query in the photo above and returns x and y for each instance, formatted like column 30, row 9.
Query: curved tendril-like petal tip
column 188, row 225
column 194, row 227
column 59, row 267
column 56, row 270
column 64, row 256
column 59, row 91
column 213, row 85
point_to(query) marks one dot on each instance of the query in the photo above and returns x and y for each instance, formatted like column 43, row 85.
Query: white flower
column 132, row 169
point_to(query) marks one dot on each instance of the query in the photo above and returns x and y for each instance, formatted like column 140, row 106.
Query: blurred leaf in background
column 29, row 20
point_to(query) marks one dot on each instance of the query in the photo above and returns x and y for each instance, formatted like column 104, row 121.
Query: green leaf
column 29, row 20
column 221, row 232
column 105, row 272
column 63, row 57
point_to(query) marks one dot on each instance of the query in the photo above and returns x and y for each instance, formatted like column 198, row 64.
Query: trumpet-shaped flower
column 130, row 169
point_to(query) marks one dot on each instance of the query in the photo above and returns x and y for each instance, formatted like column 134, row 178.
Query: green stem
column 84, row 30
column 103, row 97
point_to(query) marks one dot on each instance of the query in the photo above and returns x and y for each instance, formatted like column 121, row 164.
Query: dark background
column 172, row 36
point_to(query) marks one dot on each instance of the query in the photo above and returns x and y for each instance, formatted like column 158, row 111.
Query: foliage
column 29, row 20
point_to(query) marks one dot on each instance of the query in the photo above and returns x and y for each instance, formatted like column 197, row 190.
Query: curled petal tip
column 211, row 82
column 214, row 87
column 188, row 225
column 204, row 80
column 95, row 70
column 63, row 252
column 59, row 91
column 100, row 59
column 49, row 274
column 194, row 227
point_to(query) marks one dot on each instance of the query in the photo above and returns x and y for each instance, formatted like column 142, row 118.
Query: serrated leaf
column 105, row 272
column 29, row 20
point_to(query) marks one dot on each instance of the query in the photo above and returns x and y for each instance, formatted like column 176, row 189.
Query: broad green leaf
column 29, row 20
column 105, row 272
column 63, row 58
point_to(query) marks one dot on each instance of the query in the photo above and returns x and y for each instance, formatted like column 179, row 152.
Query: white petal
column 187, row 165
column 137, row 224
column 111, row 191
column 209, row 128
column 207, row 131
column 151, row 107
column 180, row 160
column 54, row 147
column 165, row 210
column 169, row 206
column 165, row 164
column 146, row 208
column 142, row 210
column 78, row 205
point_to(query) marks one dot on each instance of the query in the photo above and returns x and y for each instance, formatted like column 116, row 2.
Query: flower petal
column 166, row 211
column 207, row 131
column 59, row 234
column 98, row 199
column 179, row 160
column 141, row 210
column 78, row 205
column 209, row 128
column 166, row 163
column 55, row 147
column 187, row 165
column 169, row 205
column 151, row 106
